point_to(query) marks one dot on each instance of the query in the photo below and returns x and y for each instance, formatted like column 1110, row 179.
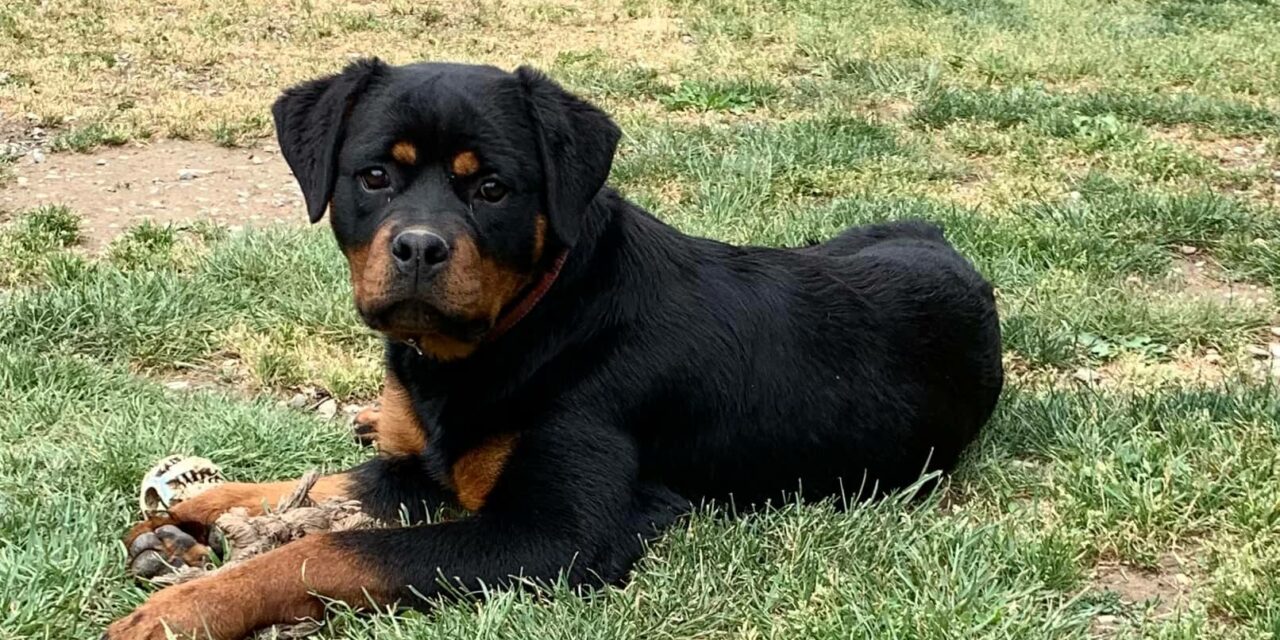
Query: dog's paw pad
column 165, row 550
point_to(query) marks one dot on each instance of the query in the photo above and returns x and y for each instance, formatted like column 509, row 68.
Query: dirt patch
column 1160, row 592
column 1199, row 276
column 1230, row 153
column 170, row 181
column 891, row 110
column 1253, row 164
column 19, row 136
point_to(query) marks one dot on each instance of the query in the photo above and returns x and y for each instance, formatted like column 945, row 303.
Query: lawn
column 1112, row 166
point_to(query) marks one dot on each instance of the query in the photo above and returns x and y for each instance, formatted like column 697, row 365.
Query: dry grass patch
column 194, row 69
column 288, row 359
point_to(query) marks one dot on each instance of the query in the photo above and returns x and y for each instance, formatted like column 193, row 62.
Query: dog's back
column 855, row 239
column 872, row 355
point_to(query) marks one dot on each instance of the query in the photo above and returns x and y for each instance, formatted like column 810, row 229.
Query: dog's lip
column 413, row 318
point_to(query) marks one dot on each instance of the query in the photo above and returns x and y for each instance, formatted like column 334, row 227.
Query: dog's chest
column 469, row 459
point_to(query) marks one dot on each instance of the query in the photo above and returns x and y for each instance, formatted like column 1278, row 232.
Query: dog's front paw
column 184, row 611
column 139, row 625
column 365, row 426
column 162, row 544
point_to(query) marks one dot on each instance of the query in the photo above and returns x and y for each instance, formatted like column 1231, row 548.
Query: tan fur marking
column 445, row 348
column 404, row 152
column 539, row 237
column 371, row 268
column 465, row 164
column 206, row 507
column 399, row 431
column 477, row 471
column 476, row 285
column 281, row 586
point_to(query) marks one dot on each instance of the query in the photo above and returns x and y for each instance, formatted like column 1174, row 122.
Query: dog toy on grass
column 241, row 535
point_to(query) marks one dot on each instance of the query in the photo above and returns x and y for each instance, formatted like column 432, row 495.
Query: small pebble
column 298, row 401
column 328, row 409
column 37, row 156
column 1187, row 250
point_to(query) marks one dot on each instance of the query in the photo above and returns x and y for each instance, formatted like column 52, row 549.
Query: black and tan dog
column 570, row 369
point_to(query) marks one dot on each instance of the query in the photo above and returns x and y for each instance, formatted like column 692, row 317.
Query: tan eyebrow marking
column 404, row 152
column 465, row 164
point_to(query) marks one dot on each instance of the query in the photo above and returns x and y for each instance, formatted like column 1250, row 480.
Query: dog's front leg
column 564, row 502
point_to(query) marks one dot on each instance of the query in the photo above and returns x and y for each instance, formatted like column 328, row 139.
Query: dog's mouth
column 416, row 320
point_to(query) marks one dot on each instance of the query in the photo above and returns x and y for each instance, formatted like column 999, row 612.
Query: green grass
column 1073, row 151
column 88, row 137
column 1061, row 115
column 31, row 246
column 733, row 96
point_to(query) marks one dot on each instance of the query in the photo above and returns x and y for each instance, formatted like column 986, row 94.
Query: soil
column 1165, row 589
column 170, row 181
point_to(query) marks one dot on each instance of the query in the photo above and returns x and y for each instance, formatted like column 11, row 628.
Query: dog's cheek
column 478, row 286
column 371, row 268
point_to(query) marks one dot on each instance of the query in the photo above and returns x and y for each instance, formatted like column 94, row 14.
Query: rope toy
column 244, row 536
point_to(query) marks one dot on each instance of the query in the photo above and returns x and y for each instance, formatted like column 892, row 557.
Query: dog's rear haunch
column 570, row 369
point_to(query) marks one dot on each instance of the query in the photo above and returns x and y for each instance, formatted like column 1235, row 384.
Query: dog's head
column 451, row 188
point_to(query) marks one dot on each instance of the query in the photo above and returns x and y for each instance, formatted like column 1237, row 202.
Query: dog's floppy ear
column 311, row 121
column 576, row 141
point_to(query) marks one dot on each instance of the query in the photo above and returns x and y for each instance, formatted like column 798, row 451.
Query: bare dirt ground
column 1165, row 590
column 170, row 181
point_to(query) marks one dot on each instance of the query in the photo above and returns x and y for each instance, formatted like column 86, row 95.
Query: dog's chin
column 419, row 321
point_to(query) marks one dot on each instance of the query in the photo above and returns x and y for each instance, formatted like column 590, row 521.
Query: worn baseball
column 174, row 479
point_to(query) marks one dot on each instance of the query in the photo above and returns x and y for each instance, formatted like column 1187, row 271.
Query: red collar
column 526, row 304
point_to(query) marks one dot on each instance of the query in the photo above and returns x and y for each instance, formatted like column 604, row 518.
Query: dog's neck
column 529, row 300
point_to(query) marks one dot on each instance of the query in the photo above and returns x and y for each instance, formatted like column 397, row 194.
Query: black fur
column 659, row 370
column 311, row 121
column 576, row 142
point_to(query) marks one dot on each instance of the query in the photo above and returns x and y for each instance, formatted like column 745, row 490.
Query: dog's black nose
column 418, row 247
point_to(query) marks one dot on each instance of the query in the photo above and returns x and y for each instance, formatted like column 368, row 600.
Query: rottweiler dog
column 567, row 368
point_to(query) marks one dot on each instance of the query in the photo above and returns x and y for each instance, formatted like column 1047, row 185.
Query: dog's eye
column 492, row 190
column 374, row 179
